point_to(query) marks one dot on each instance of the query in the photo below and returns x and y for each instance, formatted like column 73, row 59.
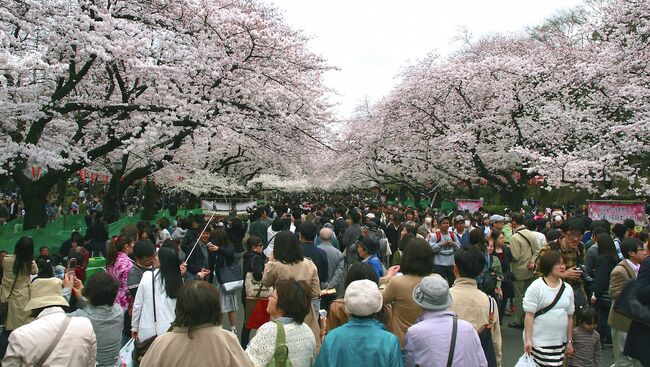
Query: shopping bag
column 259, row 316
column 526, row 361
column 126, row 359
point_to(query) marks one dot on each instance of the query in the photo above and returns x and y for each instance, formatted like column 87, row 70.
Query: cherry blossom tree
column 84, row 80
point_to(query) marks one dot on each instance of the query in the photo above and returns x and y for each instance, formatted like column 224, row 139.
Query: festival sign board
column 617, row 211
column 469, row 204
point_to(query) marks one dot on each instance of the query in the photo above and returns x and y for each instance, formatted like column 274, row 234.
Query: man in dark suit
column 340, row 224
column 308, row 232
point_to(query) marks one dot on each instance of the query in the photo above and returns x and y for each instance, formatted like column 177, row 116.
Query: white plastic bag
column 526, row 361
column 126, row 354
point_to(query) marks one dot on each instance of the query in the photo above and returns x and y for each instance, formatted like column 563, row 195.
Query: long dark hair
column 606, row 246
column 170, row 271
column 286, row 248
column 219, row 237
column 24, row 251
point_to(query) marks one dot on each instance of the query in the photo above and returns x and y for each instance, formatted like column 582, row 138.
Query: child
column 586, row 340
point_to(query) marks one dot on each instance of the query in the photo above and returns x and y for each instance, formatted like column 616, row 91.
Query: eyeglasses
column 573, row 235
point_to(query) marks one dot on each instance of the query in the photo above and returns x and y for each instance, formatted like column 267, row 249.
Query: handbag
column 4, row 306
column 281, row 355
column 485, row 336
column 255, row 289
column 141, row 348
column 628, row 305
column 54, row 342
column 231, row 277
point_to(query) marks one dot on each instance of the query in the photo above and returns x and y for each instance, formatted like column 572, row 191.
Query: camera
column 585, row 275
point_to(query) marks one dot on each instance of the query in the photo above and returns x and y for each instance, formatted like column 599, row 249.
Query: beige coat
column 620, row 275
column 17, row 315
column 210, row 346
column 523, row 253
column 399, row 293
column 472, row 305
column 306, row 271
column 77, row 347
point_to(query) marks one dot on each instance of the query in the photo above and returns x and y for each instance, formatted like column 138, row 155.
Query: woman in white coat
column 167, row 280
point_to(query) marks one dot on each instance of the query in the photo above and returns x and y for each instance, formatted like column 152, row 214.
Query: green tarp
column 59, row 230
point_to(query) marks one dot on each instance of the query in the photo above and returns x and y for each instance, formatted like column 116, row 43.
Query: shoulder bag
column 255, row 289
column 555, row 301
column 490, row 279
column 628, row 305
column 140, row 348
column 54, row 342
column 4, row 306
column 485, row 336
column 452, row 346
column 231, row 277
column 281, row 355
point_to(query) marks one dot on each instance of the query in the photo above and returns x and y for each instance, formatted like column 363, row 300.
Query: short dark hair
column 359, row 271
column 42, row 247
column 253, row 241
column 630, row 245
column 477, row 238
column 308, row 230
column 369, row 244
column 469, row 262
column 77, row 238
column 198, row 303
column 354, row 216
column 294, row 299
column 619, row 230
column 45, row 269
column 286, row 248
column 518, row 218
column 548, row 261
column 629, row 223
column 587, row 315
column 101, row 289
column 259, row 212
column 572, row 225
column 598, row 230
column 643, row 236
column 553, row 235
column 143, row 248
column 417, row 258
column 404, row 241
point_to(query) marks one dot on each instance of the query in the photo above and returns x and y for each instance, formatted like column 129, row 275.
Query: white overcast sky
column 370, row 41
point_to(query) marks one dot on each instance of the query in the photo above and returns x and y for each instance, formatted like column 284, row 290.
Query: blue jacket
column 374, row 261
column 360, row 342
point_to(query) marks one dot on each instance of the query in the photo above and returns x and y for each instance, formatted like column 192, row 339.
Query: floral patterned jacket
column 120, row 272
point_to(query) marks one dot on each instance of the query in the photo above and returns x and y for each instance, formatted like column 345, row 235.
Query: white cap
column 362, row 298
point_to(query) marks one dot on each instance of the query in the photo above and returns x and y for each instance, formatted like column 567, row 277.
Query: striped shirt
column 587, row 348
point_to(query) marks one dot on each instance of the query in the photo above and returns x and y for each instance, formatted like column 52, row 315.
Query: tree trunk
column 150, row 198
column 402, row 194
column 34, row 195
column 417, row 197
column 61, row 191
column 110, row 202
column 514, row 197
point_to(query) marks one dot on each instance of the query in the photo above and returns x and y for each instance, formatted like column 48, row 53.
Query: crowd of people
column 321, row 282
